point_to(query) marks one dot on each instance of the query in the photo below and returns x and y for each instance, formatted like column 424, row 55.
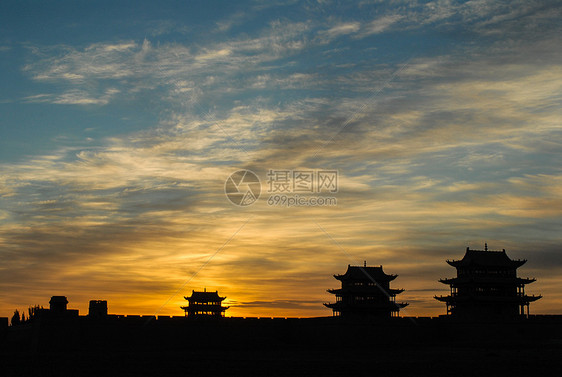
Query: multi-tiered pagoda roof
column 487, row 286
column 365, row 291
column 208, row 304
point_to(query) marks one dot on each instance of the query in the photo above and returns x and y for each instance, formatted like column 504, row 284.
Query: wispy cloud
column 74, row 97
column 339, row 30
column 461, row 146
column 380, row 25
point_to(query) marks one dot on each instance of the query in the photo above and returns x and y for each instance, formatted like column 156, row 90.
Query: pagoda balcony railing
column 491, row 294
column 490, row 277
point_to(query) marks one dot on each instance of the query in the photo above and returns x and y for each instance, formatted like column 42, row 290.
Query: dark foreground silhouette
column 330, row 346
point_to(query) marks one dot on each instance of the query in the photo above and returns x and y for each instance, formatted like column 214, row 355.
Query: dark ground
column 291, row 347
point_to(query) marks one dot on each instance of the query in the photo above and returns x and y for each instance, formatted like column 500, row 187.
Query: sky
column 438, row 125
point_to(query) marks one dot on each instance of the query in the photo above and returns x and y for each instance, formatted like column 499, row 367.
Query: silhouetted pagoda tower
column 365, row 292
column 487, row 287
column 204, row 304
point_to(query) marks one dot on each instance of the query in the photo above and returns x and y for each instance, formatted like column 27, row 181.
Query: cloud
column 457, row 147
column 338, row 30
column 380, row 25
column 74, row 97
column 233, row 20
column 134, row 67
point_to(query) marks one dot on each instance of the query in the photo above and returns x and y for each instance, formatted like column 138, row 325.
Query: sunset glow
column 119, row 126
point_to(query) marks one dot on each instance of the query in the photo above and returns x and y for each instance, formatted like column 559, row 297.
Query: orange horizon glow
column 442, row 121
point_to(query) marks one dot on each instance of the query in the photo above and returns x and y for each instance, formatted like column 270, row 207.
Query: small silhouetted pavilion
column 204, row 304
column 57, row 309
column 97, row 309
column 58, row 304
column 487, row 286
column 365, row 292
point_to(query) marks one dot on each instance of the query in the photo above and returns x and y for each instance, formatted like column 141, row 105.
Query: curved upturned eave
column 378, row 281
column 519, row 299
column 487, row 279
column 365, row 306
column 533, row 298
column 443, row 298
column 513, row 263
column 453, row 263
